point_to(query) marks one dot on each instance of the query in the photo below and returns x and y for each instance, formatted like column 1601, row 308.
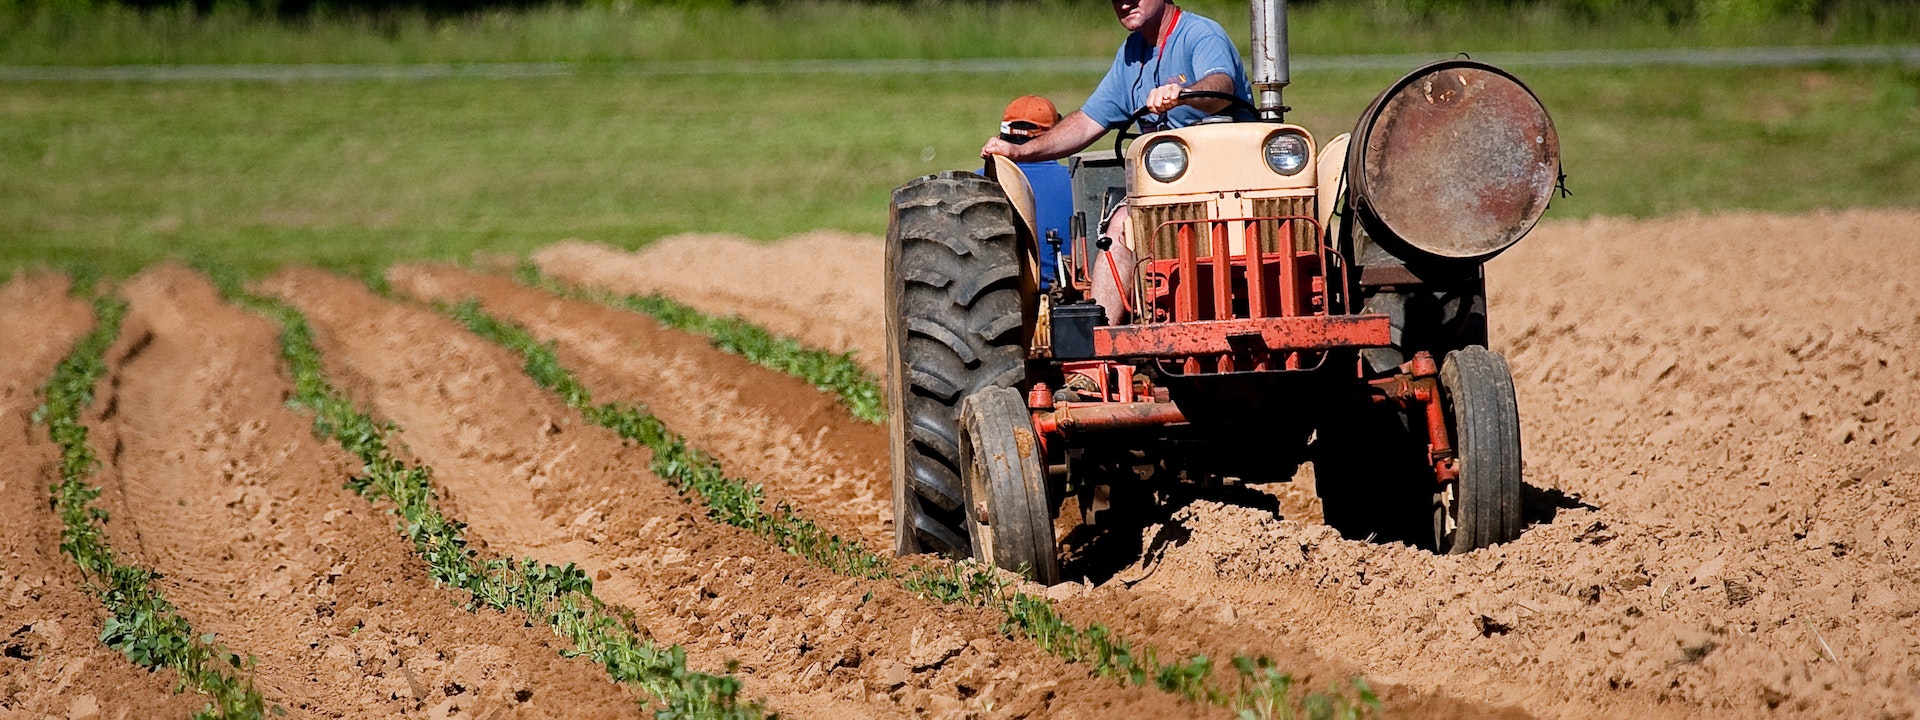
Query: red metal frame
column 1213, row 337
column 1417, row 388
column 1287, row 313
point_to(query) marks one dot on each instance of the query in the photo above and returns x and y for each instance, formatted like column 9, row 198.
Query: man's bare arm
column 1073, row 134
column 1167, row 96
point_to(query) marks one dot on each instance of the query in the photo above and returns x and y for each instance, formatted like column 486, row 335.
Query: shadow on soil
column 1115, row 548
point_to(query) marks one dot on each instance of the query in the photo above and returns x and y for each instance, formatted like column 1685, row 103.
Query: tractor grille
column 1303, row 240
column 1163, row 242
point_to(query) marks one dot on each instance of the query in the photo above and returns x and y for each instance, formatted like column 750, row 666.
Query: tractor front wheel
column 1482, row 507
column 1009, row 509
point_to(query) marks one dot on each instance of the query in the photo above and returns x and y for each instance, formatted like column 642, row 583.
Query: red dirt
column 1721, row 421
column 212, row 481
column 532, row 480
column 53, row 663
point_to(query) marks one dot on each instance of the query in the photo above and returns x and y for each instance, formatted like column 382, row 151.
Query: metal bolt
column 980, row 511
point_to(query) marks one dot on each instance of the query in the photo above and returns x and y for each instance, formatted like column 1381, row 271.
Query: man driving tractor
column 1167, row 52
column 1293, row 302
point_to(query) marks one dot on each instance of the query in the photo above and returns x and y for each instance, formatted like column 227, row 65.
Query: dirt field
column 1723, row 451
column 1723, row 437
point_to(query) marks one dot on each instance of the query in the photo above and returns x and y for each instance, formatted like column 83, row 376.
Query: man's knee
column 1113, row 274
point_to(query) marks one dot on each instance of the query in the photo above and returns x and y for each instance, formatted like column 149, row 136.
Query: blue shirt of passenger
column 1052, row 206
column 1195, row 48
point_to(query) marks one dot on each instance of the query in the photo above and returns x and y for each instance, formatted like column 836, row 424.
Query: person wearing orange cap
column 1168, row 51
column 1025, row 119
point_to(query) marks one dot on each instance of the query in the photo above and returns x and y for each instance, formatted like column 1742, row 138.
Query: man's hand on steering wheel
column 1164, row 98
column 1122, row 133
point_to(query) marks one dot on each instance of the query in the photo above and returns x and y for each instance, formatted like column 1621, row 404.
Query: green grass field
column 615, row 31
column 359, row 173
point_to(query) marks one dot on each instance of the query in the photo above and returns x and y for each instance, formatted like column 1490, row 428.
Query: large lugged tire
column 1482, row 508
column 954, row 322
column 1000, row 460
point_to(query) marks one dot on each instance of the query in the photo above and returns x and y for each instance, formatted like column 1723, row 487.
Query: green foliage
column 560, row 597
column 141, row 623
column 698, row 476
column 834, row 373
column 92, row 32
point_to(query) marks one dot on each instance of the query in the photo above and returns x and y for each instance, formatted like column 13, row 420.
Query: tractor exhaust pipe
column 1270, row 74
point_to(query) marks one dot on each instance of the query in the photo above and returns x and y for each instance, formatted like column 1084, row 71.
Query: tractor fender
column 1332, row 171
column 1013, row 182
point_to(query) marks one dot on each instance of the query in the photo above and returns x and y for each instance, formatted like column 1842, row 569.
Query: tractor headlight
column 1166, row 160
column 1286, row 153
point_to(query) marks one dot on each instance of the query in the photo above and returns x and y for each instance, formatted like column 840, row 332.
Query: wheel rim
column 1007, row 505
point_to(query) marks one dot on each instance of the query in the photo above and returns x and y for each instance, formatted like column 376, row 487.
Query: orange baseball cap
column 1036, row 113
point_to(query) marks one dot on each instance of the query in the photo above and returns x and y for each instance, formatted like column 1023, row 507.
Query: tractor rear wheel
column 1482, row 507
column 1009, row 510
column 954, row 324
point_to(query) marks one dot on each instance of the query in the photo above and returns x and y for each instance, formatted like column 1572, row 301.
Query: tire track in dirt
column 52, row 662
column 813, row 643
column 215, row 484
column 1737, row 396
column 687, row 383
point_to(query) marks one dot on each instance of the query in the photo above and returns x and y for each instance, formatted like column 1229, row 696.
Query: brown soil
column 742, row 413
column 212, row 481
column 782, row 286
column 53, row 663
column 1723, row 437
column 532, row 480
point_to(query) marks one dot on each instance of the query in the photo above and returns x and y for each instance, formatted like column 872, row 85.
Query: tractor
column 1290, row 303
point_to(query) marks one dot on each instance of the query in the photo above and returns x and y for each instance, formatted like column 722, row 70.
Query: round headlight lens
column 1286, row 153
column 1166, row 160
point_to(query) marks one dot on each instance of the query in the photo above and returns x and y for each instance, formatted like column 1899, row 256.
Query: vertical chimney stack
column 1270, row 74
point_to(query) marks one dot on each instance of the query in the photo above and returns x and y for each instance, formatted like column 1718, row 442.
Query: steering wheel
column 1122, row 134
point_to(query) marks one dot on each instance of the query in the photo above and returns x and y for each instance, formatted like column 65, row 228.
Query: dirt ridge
column 53, row 662
column 804, row 637
column 220, row 487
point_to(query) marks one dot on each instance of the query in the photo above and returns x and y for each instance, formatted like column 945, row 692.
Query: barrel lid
column 1457, row 159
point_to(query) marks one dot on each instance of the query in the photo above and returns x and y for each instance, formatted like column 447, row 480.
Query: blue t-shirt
column 1196, row 47
column 1052, row 207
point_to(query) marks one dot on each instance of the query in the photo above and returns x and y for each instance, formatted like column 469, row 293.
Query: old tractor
column 1290, row 302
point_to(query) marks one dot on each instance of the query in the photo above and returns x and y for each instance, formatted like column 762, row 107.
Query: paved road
column 1728, row 57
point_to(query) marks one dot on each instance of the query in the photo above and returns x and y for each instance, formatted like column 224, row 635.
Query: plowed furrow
column 821, row 288
column 764, row 425
column 214, row 482
column 531, row 479
column 611, row 350
column 53, row 662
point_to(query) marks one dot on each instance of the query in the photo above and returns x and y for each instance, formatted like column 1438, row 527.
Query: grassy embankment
column 360, row 173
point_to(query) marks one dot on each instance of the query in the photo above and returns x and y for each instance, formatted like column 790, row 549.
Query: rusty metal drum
column 1457, row 160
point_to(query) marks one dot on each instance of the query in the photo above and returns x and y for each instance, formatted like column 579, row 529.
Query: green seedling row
column 141, row 623
column 559, row 596
column 1259, row 689
column 831, row 372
